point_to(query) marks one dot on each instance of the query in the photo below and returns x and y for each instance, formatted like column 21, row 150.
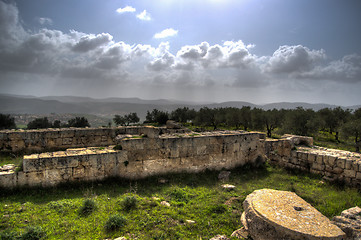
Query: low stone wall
column 332, row 164
column 139, row 158
column 56, row 139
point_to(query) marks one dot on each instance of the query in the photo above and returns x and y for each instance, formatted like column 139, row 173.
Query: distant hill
column 108, row 107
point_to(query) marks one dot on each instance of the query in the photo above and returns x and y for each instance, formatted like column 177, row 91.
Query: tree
column 333, row 119
column 39, row 123
column 81, row 122
column 272, row 120
column 156, row 116
column 246, row 117
column 210, row 117
column 301, row 122
column 7, row 122
column 183, row 115
column 57, row 124
column 352, row 128
column 126, row 120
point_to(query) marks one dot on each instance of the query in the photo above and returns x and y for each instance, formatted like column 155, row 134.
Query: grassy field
column 133, row 209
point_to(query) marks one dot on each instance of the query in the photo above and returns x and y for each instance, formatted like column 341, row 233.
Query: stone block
column 358, row 175
column 311, row 157
column 8, row 179
column 319, row 167
column 349, row 173
column 341, row 162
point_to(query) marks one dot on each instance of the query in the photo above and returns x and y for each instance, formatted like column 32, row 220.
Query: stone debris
column 273, row 215
column 240, row 233
column 224, row 175
column 219, row 237
column 228, row 186
column 163, row 180
column 8, row 168
column 350, row 222
column 170, row 124
column 165, row 203
column 190, row 222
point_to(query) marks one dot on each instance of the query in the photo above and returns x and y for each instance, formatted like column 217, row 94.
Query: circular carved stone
column 271, row 214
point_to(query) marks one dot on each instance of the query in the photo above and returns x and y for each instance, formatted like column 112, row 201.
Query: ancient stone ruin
column 137, row 152
column 280, row 215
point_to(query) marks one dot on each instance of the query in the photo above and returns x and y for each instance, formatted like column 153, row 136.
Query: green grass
column 133, row 209
column 326, row 139
column 10, row 159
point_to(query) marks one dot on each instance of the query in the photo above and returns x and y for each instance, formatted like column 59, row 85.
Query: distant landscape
column 101, row 111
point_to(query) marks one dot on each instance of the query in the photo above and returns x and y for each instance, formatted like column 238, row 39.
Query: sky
column 260, row 51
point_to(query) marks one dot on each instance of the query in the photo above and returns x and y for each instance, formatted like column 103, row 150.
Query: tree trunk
column 269, row 132
column 336, row 136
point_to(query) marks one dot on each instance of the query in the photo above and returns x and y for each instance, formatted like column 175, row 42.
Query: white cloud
column 82, row 62
column 91, row 42
column 169, row 32
column 294, row 59
column 144, row 16
column 125, row 9
column 45, row 21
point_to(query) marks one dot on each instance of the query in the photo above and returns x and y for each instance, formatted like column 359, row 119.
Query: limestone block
column 319, row 159
column 51, row 177
column 337, row 170
column 274, row 215
column 349, row 173
column 78, row 173
column 311, row 157
column 201, row 150
column 66, row 162
column 358, row 175
column 319, row 167
column 32, row 178
column 8, row 179
column 341, row 162
column 348, row 164
column 67, row 141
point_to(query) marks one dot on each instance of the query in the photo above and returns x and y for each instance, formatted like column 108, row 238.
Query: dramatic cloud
column 169, row 32
column 125, row 9
column 45, row 21
column 144, row 16
column 294, row 59
column 91, row 42
column 56, row 59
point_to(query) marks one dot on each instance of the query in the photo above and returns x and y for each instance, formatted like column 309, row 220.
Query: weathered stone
column 271, row 214
column 350, row 222
column 170, row 124
column 224, row 175
column 190, row 222
column 228, row 187
column 241, row 233
column 219, row 237
column 165, row 203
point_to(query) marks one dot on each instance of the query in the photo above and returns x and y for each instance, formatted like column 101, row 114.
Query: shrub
column 218, row 209
column 33, row 233
column 8, row 235
column 129, row 203
column 88, row 207
column 118, row 147
column 115, row 222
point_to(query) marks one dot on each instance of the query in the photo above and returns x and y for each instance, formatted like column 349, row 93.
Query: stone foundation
column 140, row 157
column 57, row 139
column 331, row 164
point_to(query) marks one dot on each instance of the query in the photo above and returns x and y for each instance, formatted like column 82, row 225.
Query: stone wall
column 56, row 139
column 139, row 158
column 332, row 164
